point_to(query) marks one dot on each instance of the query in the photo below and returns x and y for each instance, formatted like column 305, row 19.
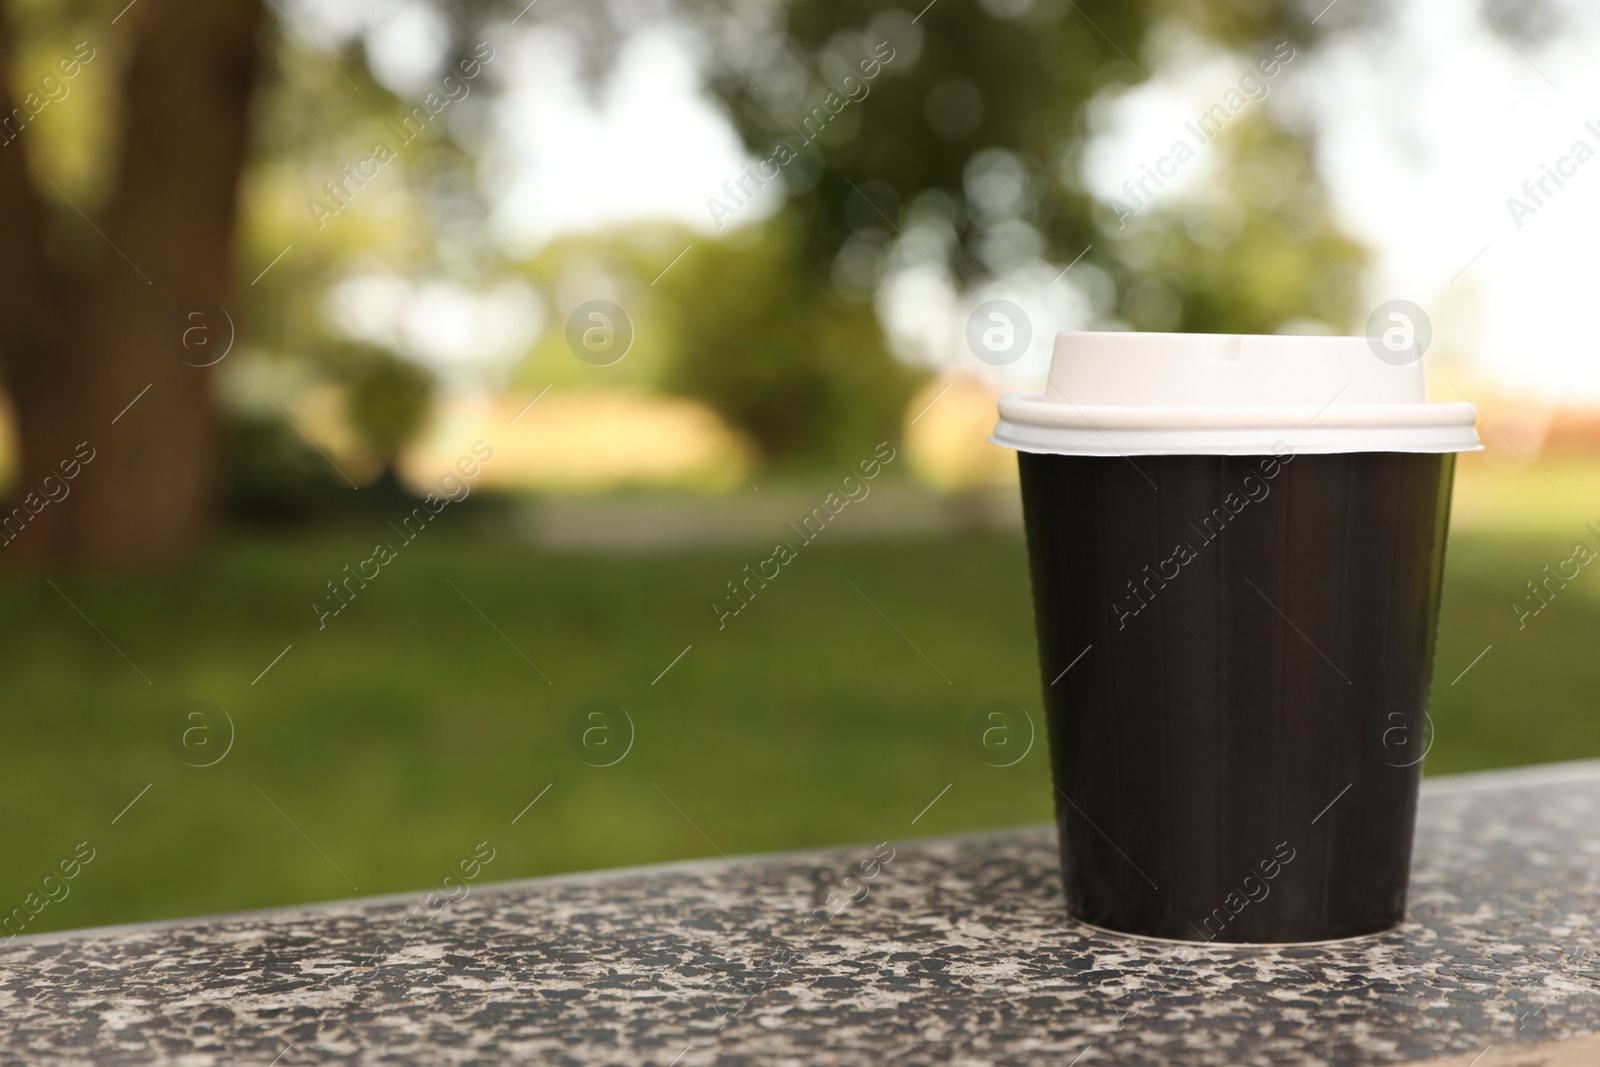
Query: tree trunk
column 96, row 360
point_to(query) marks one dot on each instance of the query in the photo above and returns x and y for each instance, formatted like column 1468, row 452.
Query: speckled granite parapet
column 961, row 954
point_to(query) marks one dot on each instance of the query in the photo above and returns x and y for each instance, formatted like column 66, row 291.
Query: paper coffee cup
column 1236, row 546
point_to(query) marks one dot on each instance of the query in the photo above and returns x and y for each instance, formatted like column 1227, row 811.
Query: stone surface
column 959, row 954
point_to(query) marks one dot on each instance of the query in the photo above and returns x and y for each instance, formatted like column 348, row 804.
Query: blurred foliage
column 271, row 475
column 1216, row 266
column 74, row 138
column 799, row 368
column 386, row 397
column 615, row 265
column 957, row 81
column 1533, row 22
column 965, row 152
column 962, row 150
column 972, row 137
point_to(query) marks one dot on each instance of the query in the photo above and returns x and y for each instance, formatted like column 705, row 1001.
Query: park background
column 271, row 374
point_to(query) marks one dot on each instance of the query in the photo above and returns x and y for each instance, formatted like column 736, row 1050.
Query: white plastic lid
column 1120, row 394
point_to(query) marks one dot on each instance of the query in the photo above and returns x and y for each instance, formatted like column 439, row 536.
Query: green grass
column 1532, row 698
column 410, row 729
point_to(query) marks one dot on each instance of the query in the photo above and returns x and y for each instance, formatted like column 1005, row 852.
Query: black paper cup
column 1236, row 652
column 1238, row 742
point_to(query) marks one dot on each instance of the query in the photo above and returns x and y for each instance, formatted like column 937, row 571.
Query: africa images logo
column 854, row 90
column 1253, row 489
column 851, row 490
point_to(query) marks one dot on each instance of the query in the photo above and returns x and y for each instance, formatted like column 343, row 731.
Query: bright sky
column 652, row 145
column 1427, row 129
column 1427, row 139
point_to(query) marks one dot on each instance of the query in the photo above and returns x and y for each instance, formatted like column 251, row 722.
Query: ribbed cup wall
column 1237, row 755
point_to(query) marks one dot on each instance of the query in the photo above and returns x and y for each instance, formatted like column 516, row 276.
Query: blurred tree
column 1212, row 265
column 386, row 399
column 802, row 370
column 963, row 143
column 92, row 313
column 273, row 475
column 962, row 149
column 118, row 262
